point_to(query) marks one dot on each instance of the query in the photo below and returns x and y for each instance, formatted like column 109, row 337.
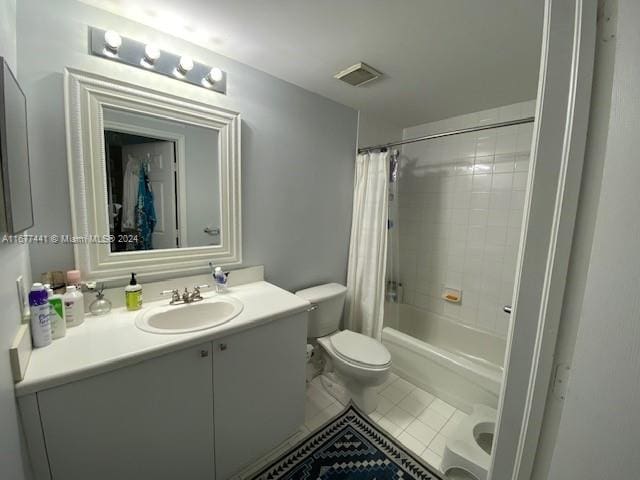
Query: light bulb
column 112, row 41
column 151, row 54
column 185, row 65
column 215, row 75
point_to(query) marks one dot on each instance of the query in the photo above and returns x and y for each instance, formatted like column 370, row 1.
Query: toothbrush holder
column 221, row 285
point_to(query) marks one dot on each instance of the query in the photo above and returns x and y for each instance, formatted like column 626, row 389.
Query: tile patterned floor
column 418, row 419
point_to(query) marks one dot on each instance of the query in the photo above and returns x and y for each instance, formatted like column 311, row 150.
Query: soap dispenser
column 133, row 294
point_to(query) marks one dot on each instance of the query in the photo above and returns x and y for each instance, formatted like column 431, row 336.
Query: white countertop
column 109, row 342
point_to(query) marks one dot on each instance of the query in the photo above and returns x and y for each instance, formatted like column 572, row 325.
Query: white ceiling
column 440, row 57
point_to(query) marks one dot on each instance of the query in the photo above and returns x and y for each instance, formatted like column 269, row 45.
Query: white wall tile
column 461, row 202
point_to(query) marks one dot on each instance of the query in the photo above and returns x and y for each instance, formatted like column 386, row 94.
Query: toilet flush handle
column 314, row 306
column 507, row 309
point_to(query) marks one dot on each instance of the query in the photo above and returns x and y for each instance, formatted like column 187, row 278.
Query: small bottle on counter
column 57, row 317
column 73, row 306
column 40, row 311
column 73, row 278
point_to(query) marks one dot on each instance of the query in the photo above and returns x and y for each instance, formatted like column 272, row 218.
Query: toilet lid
column 359, row 348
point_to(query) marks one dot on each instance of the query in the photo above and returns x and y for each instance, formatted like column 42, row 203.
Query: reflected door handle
column 211, row 230
column 507, row 309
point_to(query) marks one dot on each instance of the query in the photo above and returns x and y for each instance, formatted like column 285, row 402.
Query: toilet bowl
column 468, row 448
column 353, row 363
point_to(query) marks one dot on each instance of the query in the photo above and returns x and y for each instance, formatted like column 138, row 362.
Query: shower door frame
column 557, row 154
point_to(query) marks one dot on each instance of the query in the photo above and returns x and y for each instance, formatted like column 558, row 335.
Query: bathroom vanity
column 112, row 401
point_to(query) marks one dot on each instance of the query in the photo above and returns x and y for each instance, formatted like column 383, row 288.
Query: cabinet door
column 150, row 421
column 258, row 389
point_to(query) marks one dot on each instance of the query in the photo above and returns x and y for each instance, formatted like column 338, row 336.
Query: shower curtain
column 368, row 247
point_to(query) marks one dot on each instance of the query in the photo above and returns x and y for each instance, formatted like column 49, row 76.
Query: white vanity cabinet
column 152, row 420
column 259, row 385
column 204, row 412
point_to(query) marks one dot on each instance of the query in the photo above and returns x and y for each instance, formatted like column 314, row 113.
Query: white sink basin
column 192, row 317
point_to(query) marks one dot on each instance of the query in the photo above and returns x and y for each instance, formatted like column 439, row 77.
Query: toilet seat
column 462, row 450
column 360, row 350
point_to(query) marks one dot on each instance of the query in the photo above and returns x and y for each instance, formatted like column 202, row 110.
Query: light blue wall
column 297, row 147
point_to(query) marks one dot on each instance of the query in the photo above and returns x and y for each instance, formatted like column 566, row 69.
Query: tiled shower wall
column 460, row 205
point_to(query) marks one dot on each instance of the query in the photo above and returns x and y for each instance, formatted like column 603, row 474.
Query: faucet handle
column 175, row 295
column 196, row 290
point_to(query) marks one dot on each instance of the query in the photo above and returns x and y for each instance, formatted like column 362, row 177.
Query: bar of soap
column 452, row 295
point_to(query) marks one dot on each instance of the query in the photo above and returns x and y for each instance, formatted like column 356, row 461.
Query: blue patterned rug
column 351, row 447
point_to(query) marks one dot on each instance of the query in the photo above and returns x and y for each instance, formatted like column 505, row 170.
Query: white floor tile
column 310, row 410
column 443, row 408
column 419, row 420
column 334, row 409
column 400, row 417
column 313, row 423
column 422, row 432
column 384, row 405
column 390, row 427
column 424, row 397
column 432, row 418
column 390, row 379
column 375, row 416
column 432, row 459
column 438, row 443
column 412, row 405
column 319, row 419
column 319, row 397
column 458, row 416
column 412, row 443
column 403, row 385
column 449, row 427
column 394, row 393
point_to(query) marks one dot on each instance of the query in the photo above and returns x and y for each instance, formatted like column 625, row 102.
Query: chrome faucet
column 187, row 296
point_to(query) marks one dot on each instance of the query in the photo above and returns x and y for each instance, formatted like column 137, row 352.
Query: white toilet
column 468, row 448
column 354, row 363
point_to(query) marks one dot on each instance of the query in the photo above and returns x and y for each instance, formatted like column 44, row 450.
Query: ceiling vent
column 358, row 74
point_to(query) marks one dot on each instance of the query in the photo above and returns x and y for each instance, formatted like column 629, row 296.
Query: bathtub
column 457, row 363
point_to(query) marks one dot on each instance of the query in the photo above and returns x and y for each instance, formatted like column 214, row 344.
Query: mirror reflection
column 162, row 182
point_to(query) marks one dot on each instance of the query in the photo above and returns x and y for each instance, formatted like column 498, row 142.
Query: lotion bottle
column 57, row 317
column 40, row 310
column 73, row 306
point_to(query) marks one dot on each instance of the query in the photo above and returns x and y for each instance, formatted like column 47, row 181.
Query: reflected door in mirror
column 137, row 165
column 163, row 182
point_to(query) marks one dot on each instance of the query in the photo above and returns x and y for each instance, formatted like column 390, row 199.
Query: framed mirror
column 154, row 179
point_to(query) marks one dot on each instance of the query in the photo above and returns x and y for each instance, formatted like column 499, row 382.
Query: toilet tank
column 330, row 301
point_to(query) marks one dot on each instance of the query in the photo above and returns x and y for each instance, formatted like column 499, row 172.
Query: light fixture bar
column 136, row 54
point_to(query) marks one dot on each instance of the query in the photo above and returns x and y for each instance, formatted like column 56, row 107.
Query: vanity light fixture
column 185, row 65
column 112, row 42
column 151, row 55
column 214, row 75
column 148, row 56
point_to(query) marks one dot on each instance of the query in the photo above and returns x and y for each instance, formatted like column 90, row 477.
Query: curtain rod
column 479, row 128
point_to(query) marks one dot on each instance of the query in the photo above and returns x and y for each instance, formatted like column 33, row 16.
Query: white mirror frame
column 86, row 95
